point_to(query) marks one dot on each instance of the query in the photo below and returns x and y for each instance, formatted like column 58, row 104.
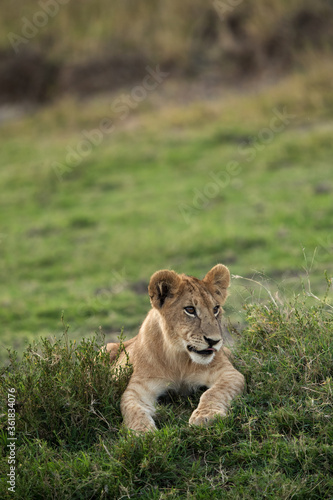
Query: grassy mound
column 276, row 442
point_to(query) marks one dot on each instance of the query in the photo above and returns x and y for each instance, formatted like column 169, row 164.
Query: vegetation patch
column 276, row 442
column 50, row 49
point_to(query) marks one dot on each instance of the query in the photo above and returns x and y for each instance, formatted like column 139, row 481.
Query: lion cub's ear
column 219, row 278
column 163, row 284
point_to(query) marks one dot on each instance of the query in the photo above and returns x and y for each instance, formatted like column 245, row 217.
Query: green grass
column 276, row 442
column 86, row 246
column 143, row 200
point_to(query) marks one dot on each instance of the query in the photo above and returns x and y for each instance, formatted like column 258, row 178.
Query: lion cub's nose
column 211, row 342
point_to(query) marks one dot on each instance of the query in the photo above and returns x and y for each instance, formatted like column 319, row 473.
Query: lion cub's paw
column 141, row 429
column 205, row 417
column 141, row 426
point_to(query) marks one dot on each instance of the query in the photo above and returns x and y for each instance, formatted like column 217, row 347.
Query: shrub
column 66, row 392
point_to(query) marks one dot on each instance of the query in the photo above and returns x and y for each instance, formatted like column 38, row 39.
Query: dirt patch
column 26, row 77
column 102, row 74
column 29, row 77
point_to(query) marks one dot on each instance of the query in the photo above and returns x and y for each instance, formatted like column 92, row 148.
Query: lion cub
column 180, row 345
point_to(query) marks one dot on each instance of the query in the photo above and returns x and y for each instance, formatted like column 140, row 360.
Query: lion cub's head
column 191, row 310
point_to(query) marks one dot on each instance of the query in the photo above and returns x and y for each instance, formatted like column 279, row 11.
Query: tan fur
column 160, row 356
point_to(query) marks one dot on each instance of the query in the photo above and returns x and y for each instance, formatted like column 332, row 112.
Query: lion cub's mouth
column 204, row 352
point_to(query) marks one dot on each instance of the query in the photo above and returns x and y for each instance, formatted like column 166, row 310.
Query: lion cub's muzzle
column 209, row 350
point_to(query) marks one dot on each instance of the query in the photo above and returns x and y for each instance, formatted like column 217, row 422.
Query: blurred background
column 140, row 135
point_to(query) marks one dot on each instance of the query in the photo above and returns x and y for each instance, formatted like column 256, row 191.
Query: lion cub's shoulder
column 113, row 347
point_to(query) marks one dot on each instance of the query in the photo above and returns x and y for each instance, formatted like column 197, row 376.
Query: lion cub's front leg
column 138, row 403
column 215, row 401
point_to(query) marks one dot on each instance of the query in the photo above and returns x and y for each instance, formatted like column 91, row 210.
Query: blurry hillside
column 52, row 47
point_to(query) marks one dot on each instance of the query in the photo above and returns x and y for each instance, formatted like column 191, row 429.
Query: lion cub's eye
column 216, row 310
column 190, row 310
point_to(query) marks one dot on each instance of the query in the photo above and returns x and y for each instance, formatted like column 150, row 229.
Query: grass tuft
column 68, row 393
